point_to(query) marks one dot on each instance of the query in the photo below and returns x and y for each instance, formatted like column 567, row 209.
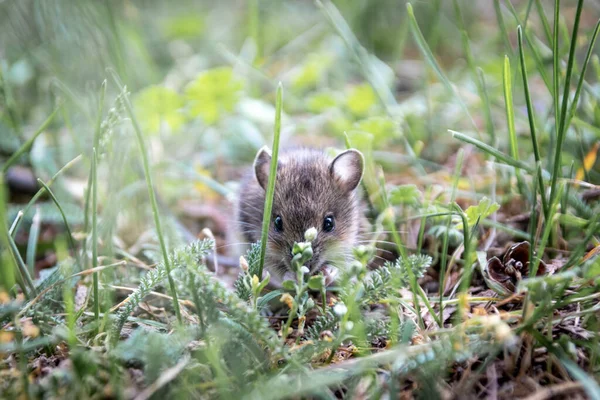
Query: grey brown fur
column 309, row 187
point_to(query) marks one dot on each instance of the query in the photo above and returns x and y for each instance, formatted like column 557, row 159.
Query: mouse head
column 312, row 190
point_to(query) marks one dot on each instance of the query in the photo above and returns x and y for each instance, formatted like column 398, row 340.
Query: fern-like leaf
column 243, row 283
column 178, row 258
column 379, row 282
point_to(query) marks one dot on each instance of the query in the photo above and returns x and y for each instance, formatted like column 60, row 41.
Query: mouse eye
column 278, row 222
column 328, row 224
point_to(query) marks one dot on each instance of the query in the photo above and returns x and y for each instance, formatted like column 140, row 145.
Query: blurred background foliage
column 202, row 78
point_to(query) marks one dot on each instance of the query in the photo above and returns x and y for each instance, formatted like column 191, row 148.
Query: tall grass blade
column 502, row 26
column 27, row 145
column 64, row 217
column 544, row 19
column 426, row 52
column 369, row 71
column 556, row 71
column 478, row 76
column 95, row 277
column 509, row 108
column 32, row 241
column 531, row 118
column 41, row 191
column 152, row 195
column 562, row 115
column 8, row 265
column 88, row 192
column 22, row 268
column 582, row 74
column 272, row 178
column 491, row 151
column 445, row 240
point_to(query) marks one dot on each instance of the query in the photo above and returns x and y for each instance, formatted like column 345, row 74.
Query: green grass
column 106, row 282
column 270, row 191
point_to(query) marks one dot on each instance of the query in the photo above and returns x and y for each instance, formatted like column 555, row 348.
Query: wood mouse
column 311, row 190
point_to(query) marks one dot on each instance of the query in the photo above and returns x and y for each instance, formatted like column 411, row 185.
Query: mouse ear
column 262, row 164
column 347, row 169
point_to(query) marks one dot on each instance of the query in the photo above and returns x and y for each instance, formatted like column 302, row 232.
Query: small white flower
column 349, row 325
column 304, row 269
column 340, row 309
column 310, row 234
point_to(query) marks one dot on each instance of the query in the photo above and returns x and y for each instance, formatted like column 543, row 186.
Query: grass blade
column 531, row 118
column 556, row 68
column 444, row 257
column 562, row 115
column 7, row 264
column 64, row 217
column 588, row 383
column 491, row 151
column 509, row 108
column 86, row 208
column 32, row 241
column 502, row 26
column 360, row 54
column 40, row 192
column 477, row 73
column 27, row 145
column 23, row 270
column 582, row 74
column 95, row 234
column 152, row 195
column 272, row 178
column 544, row 19
column 426, row 51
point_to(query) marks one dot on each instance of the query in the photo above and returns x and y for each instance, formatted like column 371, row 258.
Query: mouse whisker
column 376, row 241
column 233, row 244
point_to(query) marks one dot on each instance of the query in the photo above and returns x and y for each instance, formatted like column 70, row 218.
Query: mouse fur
column 310, row 186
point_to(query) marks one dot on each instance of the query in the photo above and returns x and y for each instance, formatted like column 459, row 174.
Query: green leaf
column 288, row 285
column 316, row 282
column 184, row 27
column 158, row 104
column 263, row 284
column 588, row 383
column 593, row 269
column 264, row 301
column 405, row 195
column 213, row 94
column 484, row 209
column 309, row 74
column 383, row 129
column 429, row 57
column 361, row 99
column 319, row 102
column 508, row 105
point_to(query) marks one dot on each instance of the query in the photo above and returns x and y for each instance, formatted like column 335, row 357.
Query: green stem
column 64, row 217
column 531, row 117
column 152, row 195
column 95, row 234
column 562, row 115
column 444, row 258
column 32, row 242
column 27, row 145
column 39, row 193
column 272, row 178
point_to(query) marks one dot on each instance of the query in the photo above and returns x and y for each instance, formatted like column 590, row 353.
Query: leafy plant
column 213, row 94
